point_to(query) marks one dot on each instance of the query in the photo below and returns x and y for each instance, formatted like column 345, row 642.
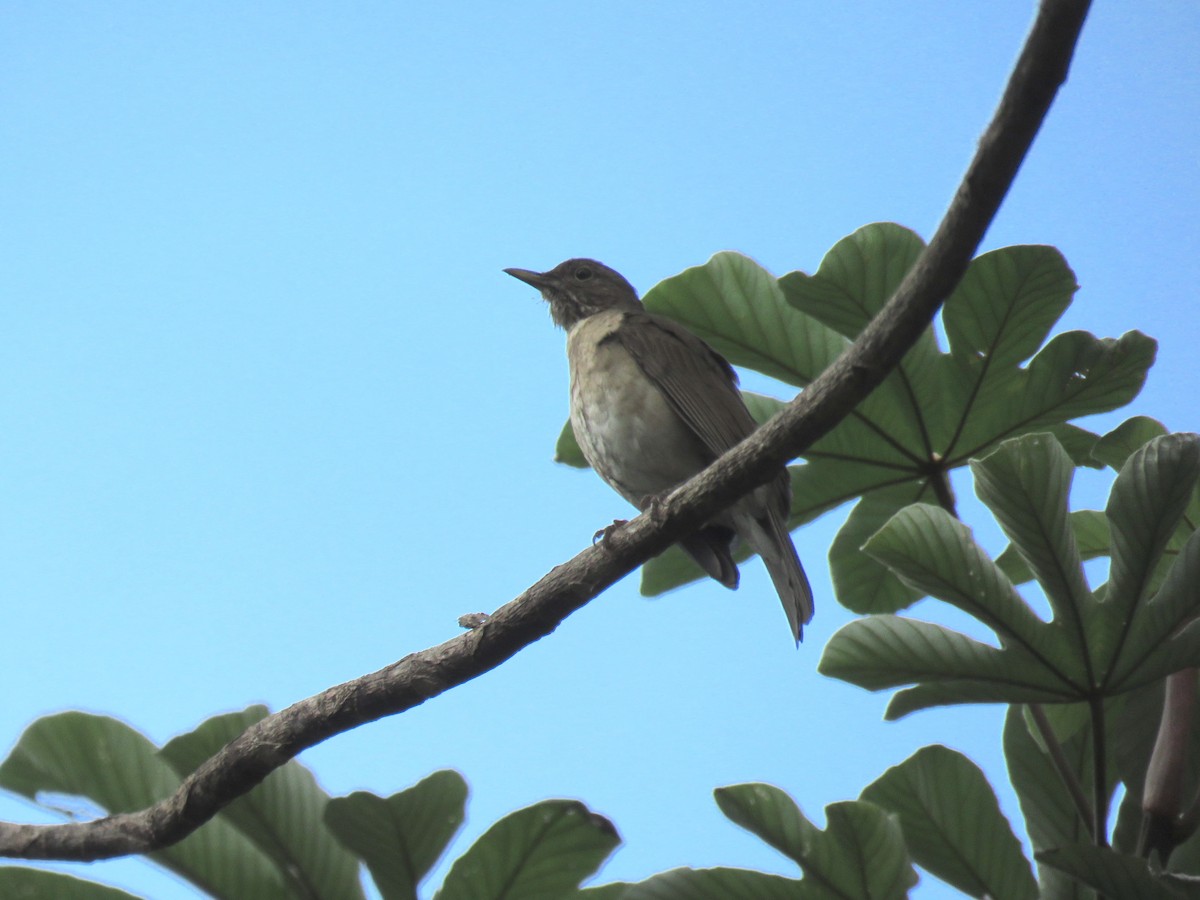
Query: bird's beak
column 537, row 279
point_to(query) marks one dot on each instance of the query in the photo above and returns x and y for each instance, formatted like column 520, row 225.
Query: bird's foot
column 606, row 532
column 655, row 504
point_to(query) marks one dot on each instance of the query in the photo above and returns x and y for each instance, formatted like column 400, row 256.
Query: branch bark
column 243, row 763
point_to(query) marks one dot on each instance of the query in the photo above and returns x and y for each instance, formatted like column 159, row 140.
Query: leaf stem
column 939, row 480
column 1099, row 774
column 1061, row 764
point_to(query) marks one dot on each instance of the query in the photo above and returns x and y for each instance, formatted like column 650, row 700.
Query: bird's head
column 579, row 288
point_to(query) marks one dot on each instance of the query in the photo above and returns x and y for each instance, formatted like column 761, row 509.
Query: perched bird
column 652, row 405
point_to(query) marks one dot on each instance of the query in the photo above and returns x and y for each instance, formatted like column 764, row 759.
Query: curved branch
column 243, row 763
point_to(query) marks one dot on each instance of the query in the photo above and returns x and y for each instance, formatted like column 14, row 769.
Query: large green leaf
column 856, row 277
column 1121, row 443
column 863, row 584
column 935, row 553
column 1005, row 305
column 996, row 318
column 21, row 883
column 885, row 651
column 852, row 284
column 1115, row 448
column 769, row 813
column 114, row 766
column 832, row 859
column 400, row 838
column 544, row 850
column 1144, row 510
column 1090, row 527
column 1153, row 641
column 282, row 815
column 1025, row 482
column 736, row 306
column 953, row 825
column 1115, row 875
column 1108, row 645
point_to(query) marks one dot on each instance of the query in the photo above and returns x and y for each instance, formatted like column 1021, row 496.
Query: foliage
column 935, row 412
column 1085, row 689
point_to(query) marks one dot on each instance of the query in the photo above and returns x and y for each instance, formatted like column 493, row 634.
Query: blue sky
column 274, row 417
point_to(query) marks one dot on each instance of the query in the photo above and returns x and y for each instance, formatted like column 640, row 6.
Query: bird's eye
column 583, row 274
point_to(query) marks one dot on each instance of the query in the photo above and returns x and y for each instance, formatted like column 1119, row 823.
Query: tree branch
column 243, row 763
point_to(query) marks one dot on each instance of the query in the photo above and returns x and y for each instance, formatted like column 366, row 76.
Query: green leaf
column 715, row 884
column 1090, row 527
column 1131, row 435
column 614, row 890
column 1025, row 483
column 857, row 831
column 1078, row 374
column 401, row 838
column 21, row 883
column 1005, row 305
column 114, row 766
column 854, row 281
column 862, row 584
column 1144, row 508
column 768, row 813
column 737, row 307
column 935, row 553
column 282, row 815
column 856, row 277
column 953, row 825
column 1150, row 651
column 566, row 449
column 1075, row 374
column 1116, row 876
column 833, row 858
column 887, row 651
column 544, row 850
column 1078, row 442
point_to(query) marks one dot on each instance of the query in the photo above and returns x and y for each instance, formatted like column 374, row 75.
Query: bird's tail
column 768, row 536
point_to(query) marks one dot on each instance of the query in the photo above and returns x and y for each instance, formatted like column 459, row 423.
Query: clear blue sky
column 273, row 417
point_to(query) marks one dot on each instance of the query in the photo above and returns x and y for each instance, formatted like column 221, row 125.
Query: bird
column 652, row 405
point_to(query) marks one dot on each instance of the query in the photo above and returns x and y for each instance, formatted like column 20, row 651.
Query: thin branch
column 1040, row 70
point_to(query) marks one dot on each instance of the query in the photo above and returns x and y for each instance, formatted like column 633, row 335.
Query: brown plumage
column 652, row 405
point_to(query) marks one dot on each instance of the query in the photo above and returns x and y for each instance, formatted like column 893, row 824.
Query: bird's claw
column 606, row 532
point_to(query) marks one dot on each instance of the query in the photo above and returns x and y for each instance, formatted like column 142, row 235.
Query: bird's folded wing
column 698, row 383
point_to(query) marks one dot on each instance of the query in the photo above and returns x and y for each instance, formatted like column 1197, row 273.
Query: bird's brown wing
column 697, row 381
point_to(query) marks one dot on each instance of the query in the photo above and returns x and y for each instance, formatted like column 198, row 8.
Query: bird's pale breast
column 626, row 428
